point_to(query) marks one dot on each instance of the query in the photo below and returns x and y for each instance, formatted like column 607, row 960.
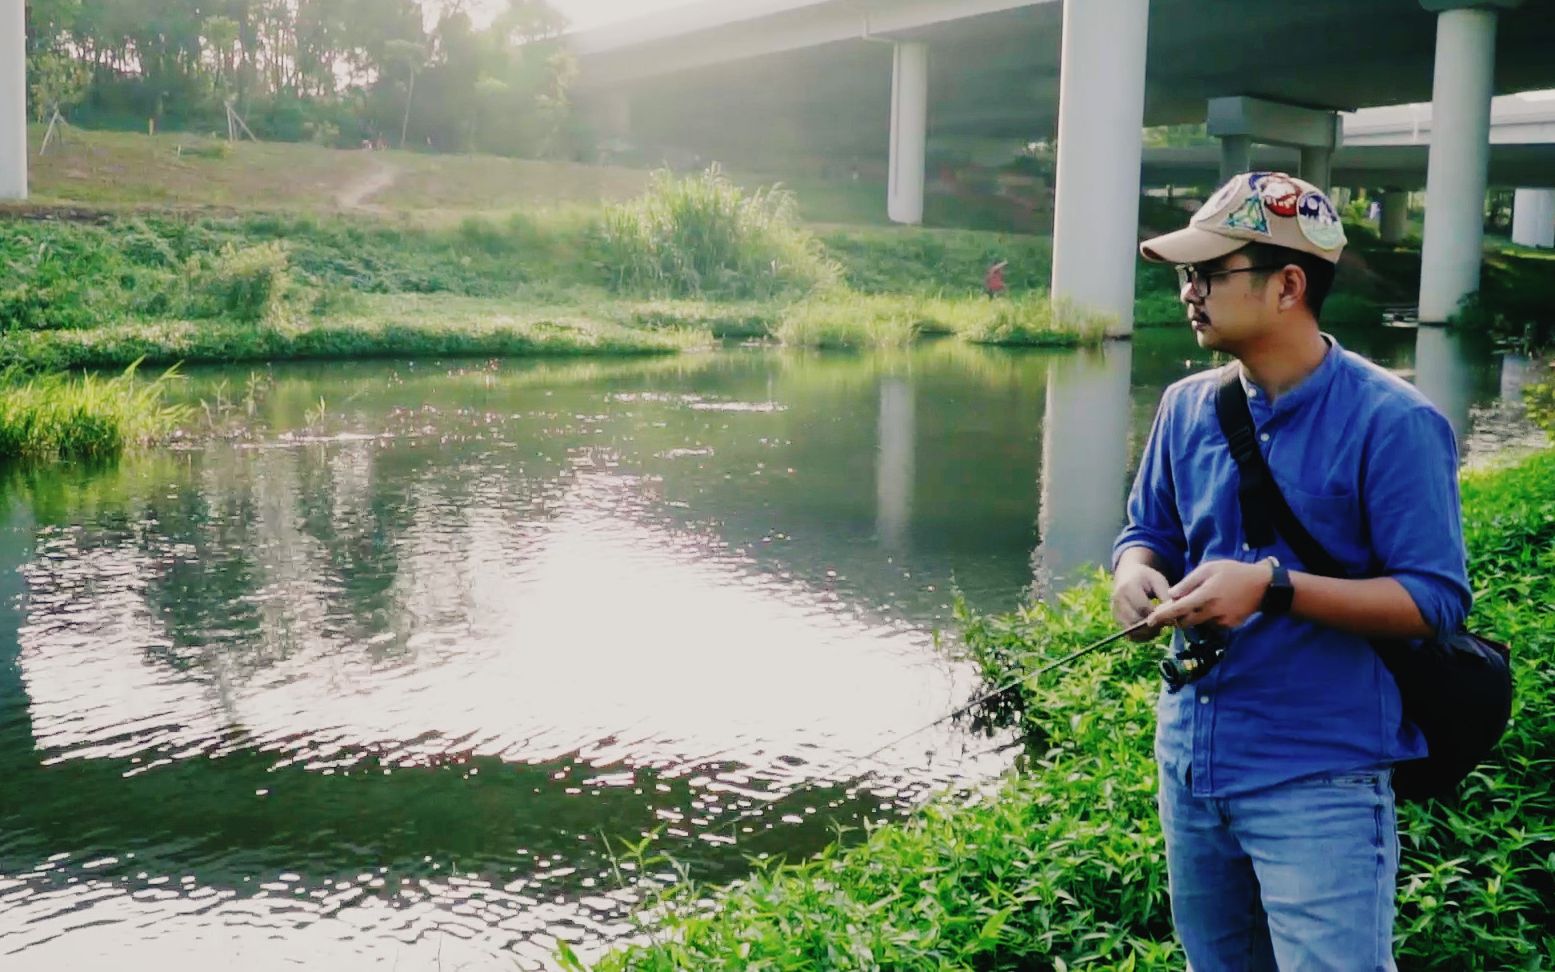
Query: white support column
column 1317, row 167
column 13, row 99
column 1459, row 160
column 1101, row 111
column 1533, row 218
column 909, row 132
column 1395, row 215
column 1442, row 374
column 1236, row 155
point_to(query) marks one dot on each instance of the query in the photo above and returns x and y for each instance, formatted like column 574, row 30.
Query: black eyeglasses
column 1188, row 273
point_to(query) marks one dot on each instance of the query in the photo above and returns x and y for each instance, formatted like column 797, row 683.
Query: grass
column 393, row 326
column 1060, row 866
column 852, row 321
column 81, row 418
column 130, row 171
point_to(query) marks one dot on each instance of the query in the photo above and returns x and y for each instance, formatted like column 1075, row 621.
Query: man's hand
column 1219, row 592
column 1134, row 587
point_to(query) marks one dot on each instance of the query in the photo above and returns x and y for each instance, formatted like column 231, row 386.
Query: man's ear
column 1293, row 287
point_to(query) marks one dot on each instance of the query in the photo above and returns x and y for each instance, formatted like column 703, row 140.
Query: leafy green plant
column 1061, row 867
column 242, row 283
column 704, row 236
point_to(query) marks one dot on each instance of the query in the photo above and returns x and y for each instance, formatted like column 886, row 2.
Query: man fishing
column 1275, row 767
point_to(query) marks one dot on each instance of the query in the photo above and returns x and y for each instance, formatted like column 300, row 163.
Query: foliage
column 241, row 283
column 1347, row 309
column 704, row 236
column 1540, row 400
column 1159, row 309
column 86, row 418
column 1061, row 866
column 1034, row 320
column 325, row 70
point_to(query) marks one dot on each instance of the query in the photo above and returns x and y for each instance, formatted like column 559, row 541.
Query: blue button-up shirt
column 1370, row 468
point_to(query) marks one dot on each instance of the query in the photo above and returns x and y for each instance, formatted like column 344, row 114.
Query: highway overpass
column 852, row 75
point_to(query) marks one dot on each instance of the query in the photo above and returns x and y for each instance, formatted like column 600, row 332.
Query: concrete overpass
column 1388, row 149
column 858, row 73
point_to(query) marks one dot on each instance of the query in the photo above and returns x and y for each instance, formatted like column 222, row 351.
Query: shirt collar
column 1309, row 388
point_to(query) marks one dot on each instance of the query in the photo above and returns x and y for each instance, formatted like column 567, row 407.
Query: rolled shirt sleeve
column 1153, row 520
column 1410, row 490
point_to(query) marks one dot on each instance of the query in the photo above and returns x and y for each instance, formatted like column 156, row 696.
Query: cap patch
column 1280, row 195
column 1319, row 222
column 1250, row 217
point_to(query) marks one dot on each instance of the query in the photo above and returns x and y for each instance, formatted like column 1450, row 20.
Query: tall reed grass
column 703, row 236
column 81, row 417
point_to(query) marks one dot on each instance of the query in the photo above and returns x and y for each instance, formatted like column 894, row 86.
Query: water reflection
column 357, row 687
column 1085, row 448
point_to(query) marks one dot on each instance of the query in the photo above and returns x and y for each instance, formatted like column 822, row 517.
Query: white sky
column 592, row 13
column 587, row 13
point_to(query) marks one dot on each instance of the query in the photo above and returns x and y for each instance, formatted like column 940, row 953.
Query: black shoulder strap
column 1264, row 509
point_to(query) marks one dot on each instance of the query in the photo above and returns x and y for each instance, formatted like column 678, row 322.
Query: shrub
column 1345, row 308
column 1159, row 309
column 243, row 283
column 704, row 236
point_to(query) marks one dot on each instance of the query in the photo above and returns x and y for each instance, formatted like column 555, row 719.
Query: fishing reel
column 1203, row 648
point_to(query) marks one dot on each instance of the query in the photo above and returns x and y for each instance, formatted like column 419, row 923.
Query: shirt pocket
column 1335, row 522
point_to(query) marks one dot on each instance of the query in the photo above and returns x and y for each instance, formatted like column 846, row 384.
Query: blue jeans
column 1296, row 877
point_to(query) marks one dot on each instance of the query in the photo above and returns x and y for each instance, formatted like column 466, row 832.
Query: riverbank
column 1060, row 866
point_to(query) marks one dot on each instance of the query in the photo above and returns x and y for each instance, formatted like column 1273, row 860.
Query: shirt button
column 1204, row 700
column 1247, row 546
column 1252, row 393
column 1264, row 437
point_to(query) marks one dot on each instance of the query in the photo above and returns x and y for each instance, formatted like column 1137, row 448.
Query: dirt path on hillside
column 378, row 178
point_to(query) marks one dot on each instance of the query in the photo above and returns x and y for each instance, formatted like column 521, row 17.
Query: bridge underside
column 996, row 76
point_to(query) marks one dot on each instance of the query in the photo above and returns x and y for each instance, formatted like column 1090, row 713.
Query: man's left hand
column 1219, row 592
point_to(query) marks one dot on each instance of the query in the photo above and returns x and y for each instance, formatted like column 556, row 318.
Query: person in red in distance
column 993, row 281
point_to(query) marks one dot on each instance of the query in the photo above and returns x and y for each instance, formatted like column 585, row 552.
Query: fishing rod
column 955, row 713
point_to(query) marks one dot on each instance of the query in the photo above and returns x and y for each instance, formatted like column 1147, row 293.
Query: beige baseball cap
column 1255, row 207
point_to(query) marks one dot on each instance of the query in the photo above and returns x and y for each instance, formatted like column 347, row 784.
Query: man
column 993, row 280
column 1275, row 768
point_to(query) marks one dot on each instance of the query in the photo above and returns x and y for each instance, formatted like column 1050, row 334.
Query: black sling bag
column 1458, row 689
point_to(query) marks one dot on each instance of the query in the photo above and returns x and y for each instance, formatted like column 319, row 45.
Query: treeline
column 338, row 72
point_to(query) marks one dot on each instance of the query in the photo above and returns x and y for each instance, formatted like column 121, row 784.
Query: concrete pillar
column 1443, row 375
column 1395, row 215
column 13, row 99
column 1101, row 111
column 894, row 464
column 1085, row 434
column 1459, row 160
column 909, row 132
column 1317, row 167
column 1533, row 218
column 1236, row 155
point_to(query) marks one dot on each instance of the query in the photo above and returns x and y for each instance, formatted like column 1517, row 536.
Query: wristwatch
column 1277, row 597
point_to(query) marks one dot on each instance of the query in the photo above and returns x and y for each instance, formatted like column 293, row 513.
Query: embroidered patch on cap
column 1280, row 195
column 1249, row 216
column 1319, row 222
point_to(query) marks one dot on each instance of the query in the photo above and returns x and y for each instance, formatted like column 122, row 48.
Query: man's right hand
column 1135, row 587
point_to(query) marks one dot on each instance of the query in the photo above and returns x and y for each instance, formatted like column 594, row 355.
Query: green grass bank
column 1059, row 867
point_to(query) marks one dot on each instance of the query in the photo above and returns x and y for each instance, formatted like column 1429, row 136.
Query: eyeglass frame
column 1190, row 273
